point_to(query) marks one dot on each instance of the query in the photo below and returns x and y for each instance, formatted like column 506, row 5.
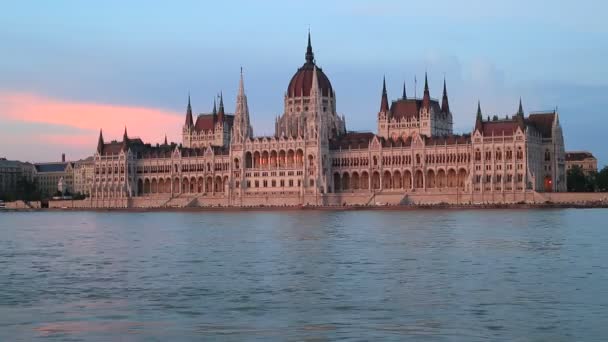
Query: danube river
column 448, row 275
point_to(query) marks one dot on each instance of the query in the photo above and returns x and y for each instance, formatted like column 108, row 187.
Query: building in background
column 49, row 174
column 583, row 159
column 11, row 171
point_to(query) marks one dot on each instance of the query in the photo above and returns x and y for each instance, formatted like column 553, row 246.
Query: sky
column 71, row 68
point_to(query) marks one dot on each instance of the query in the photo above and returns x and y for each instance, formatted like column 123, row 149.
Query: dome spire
column 310, row 56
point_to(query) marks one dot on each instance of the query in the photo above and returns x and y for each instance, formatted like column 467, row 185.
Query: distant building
column 10, row 173
column 583, row 159
column 49, row 174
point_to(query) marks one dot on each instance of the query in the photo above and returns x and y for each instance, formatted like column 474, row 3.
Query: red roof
column 352, row 140
column 499, row 127
column 301, row 82
column 410, row 108
column 206, row 122
column 398, row 142
column 452, row 139
column 578, row 156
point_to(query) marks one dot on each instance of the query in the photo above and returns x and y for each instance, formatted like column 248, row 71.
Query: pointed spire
column 520, row 110
column 445, row 106
column 310, row 56
column 426, row 98
column 214, row 107
column 100, row 142
column 165, row 143
column 479, row 118
column 384, row 100
column 125, row 140
column 404, row 96
column 241, row 128
column 220, row 114
column 189, row 120
column 241, row 85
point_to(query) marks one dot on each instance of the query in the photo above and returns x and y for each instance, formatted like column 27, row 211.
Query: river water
column 426, row 275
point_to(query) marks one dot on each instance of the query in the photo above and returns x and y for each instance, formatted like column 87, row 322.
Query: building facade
column 48, row 176
column 11, row 171
column 83, row 176
column 582, row 159
column 313, row 159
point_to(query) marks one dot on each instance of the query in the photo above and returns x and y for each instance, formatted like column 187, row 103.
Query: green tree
column 578, row 181
column 27, row 190
column 601, row 179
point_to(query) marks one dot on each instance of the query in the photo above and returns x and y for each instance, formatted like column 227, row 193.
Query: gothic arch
column 273, row 158
column 387, row 180
column 376, row 180
column 452, row 180
column 176, row 187
column 397, row 180
column 430, row 178
column 337, row 182
column 407, row 179
column 248, row 160
column 462, row 176
column 418, row 179
column 161, row 186
column 355, row 181
column 345, row 181
column 364, row 180
column 185, row 185
column 441, row 180
column 147, row 186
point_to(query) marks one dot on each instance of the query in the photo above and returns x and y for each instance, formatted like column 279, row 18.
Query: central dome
column 301, row 82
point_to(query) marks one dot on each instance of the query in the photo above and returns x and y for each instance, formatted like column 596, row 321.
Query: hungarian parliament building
column 312, row 159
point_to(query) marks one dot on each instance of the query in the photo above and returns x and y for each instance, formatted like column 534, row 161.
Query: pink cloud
column 62, row 139
column 150, row 124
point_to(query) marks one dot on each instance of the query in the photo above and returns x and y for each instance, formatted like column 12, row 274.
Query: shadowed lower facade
column 312, row 159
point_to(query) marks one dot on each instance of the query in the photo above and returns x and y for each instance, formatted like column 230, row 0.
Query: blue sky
column 147, row 54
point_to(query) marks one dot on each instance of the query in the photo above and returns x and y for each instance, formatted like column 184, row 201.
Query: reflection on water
column 304, row 275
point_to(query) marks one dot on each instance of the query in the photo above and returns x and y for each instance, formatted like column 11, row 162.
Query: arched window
column 520, row 153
